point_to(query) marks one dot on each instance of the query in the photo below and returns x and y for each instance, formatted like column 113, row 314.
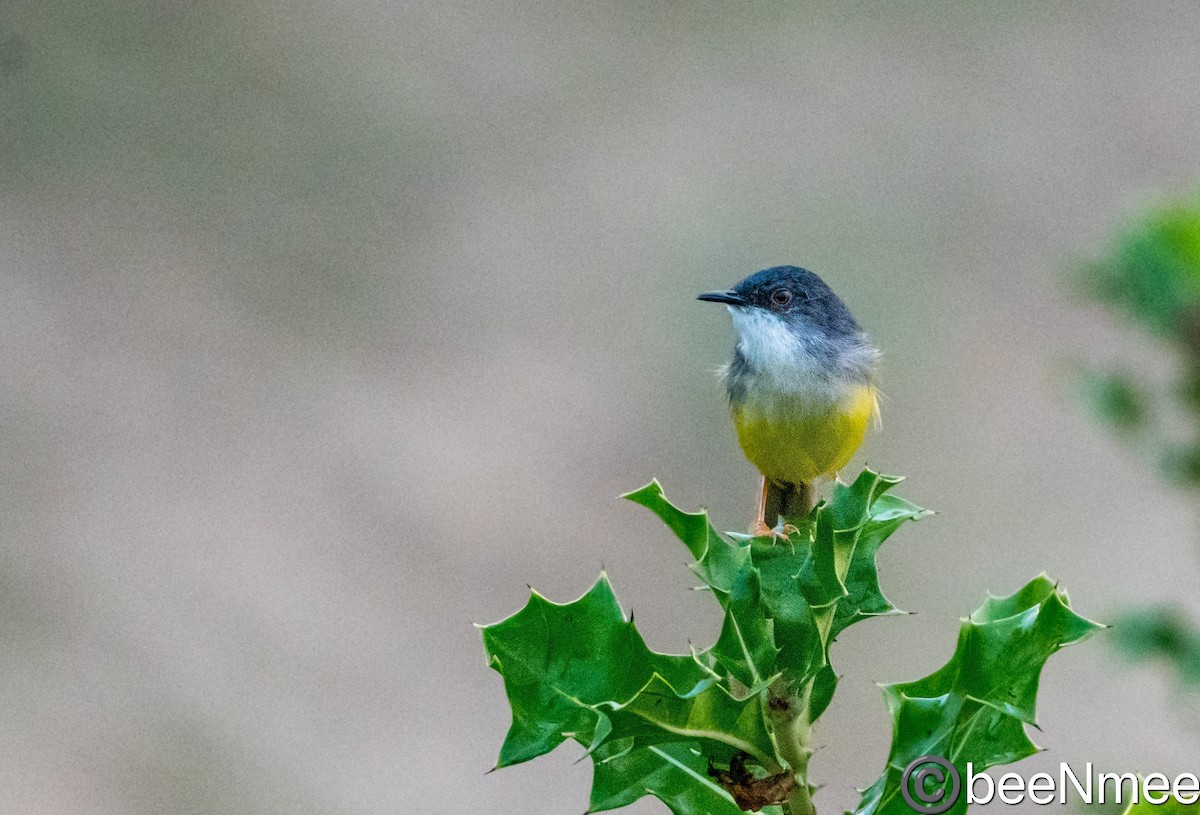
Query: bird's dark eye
column 781, row 297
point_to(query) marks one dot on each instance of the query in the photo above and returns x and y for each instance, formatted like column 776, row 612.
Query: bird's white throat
column 800, row 363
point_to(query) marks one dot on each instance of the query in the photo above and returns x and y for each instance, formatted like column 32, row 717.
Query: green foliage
column 797, row 597
column 1153, row 271
column 1151, row 275
column 733, row 720
column 1117, row 399
column 975, row 708
column 1162, row 633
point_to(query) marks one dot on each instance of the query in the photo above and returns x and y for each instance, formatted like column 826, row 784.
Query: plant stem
column 787, row 709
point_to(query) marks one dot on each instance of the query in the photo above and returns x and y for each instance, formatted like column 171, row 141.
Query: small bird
column 801, row 386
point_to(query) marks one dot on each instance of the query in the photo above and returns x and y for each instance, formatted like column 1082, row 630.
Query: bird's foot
column 780, row 534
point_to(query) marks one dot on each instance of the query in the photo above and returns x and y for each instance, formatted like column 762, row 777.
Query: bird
column 801, row 386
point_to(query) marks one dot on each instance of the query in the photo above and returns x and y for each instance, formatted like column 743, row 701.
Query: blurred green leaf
column 1152, row 273
column 1187, row 391
column 1180, row 464
column 1162, row 633
column 1116, row 399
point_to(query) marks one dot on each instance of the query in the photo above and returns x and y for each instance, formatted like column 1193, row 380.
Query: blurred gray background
column 327, row 327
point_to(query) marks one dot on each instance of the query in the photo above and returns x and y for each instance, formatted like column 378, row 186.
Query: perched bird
column 801, row 386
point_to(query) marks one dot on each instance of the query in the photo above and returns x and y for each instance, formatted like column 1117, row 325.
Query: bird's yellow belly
column 792, row 442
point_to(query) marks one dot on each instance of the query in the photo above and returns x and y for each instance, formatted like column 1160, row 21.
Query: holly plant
column 727, row 729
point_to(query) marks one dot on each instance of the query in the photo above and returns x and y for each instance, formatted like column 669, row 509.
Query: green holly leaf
column 798, row 626
column 975, row 708
column 560, row 660
column 786, row 602
column 723, row 566
column 816, row 592
column 708, row 713
column 676, row 774
column 865, row 516
column 582, row 671
column 746, row 645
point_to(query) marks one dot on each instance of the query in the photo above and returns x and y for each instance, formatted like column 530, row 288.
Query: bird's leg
column 760, row 528
column 794, row 502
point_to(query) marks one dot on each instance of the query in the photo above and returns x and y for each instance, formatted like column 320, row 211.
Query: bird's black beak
column 727, row 297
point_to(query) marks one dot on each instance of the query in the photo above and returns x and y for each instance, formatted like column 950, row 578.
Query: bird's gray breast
column 777, row 363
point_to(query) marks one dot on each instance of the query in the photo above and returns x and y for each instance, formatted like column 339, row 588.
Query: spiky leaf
column 560, row 660
column 676, row 774
column 708, row 713
column 975, row 708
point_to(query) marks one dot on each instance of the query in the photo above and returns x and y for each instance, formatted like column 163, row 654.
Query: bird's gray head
column 791, row 324
column 794, row 295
